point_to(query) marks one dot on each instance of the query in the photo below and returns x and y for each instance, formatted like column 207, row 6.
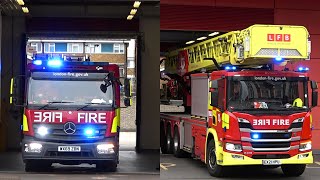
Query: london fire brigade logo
column 69, row 128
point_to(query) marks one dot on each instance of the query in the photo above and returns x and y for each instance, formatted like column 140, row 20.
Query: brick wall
column 112, row 58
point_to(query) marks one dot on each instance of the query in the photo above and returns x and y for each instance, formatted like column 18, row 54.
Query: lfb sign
column 279, row 37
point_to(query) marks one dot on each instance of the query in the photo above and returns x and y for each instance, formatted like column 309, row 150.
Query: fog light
column 301, row 156
column 33, row 148
column 105, row 148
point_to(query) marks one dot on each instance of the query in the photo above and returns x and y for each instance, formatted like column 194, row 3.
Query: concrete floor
column 187, row 168
column 131, row 166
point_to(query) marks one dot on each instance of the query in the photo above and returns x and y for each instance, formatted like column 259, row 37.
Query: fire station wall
column 2, row 135
column 11, row 62
column 148, row 88
column 307, row 14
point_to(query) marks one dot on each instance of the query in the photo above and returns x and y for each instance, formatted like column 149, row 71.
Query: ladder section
column 255, row 45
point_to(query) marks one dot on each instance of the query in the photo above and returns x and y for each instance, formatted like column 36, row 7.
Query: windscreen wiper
column 54, row 102
column 89, row 104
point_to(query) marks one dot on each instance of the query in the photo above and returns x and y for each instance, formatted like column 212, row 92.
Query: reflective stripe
column 116, row 121
column 25, row 123
column 225, row 120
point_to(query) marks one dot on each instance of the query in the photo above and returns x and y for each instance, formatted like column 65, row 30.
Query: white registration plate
column 69, row 148
column 271, row 162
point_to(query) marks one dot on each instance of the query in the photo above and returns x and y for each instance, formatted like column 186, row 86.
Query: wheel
column 169, row 143
column 176, row 144
column 107, row 166
column 36, row 166
column 211, row 161
column 163, row 142
column 293, row 169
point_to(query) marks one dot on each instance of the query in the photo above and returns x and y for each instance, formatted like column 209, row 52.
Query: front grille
column 270, row 144
column 245, row 125
column 57, row 134
column 68, row 154
column 278, row 52
column 271, row 156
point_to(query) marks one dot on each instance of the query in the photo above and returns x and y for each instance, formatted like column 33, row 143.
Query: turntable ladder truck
column 239, row 110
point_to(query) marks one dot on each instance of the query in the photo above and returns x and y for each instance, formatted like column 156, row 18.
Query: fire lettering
column 92, row 117
column 47, row 117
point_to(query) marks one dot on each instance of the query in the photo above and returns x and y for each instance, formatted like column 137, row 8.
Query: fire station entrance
column 90, row 31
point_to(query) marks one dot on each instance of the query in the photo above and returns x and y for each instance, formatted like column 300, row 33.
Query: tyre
column 107, row 166
column 163, row 141
column 211, row 161
column 37, row 166
column 293, row 169
column 176, row 144
column 169, row 141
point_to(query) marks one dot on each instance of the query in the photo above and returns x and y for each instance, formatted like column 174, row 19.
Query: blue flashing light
column 88, row 132
column 255, row 136
column 54, row 63
column 303, row 69
column 230, row 68
column 278, row 58
column 37, row 62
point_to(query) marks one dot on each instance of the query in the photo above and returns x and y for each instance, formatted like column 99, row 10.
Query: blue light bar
column 303, row 69
column 88, row 131
column 278, row 58
column 255, row 136
column 37, row 62
column 230, row 68
column 54, row 63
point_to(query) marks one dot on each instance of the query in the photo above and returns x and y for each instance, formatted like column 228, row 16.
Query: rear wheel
column 293, row 169
column 169, row 143
column 176, row 144
column 107, row 166
column 214, row 169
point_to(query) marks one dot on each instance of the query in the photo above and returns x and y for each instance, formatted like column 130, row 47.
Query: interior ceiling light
column 129, row 17
column 20, row 2
column 133, row 11
column 25, row 9
column 214, row 33
column 136, row 4
column 189, row 42
column 201, row 38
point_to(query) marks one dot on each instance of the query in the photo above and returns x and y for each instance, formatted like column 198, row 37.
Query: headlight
column 42, row 131
column 33, row 148
column 305, row 146
column 233, row 147
column 105, row 148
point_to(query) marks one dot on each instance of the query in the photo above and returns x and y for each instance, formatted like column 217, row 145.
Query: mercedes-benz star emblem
column 69, row 128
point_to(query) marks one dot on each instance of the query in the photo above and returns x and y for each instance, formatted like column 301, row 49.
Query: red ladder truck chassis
column 244, row 114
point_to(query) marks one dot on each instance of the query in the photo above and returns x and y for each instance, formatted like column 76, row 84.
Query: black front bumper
column 88, row 153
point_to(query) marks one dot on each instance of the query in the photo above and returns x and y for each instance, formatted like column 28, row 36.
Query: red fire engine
column 71, row 113
column 239, row 110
